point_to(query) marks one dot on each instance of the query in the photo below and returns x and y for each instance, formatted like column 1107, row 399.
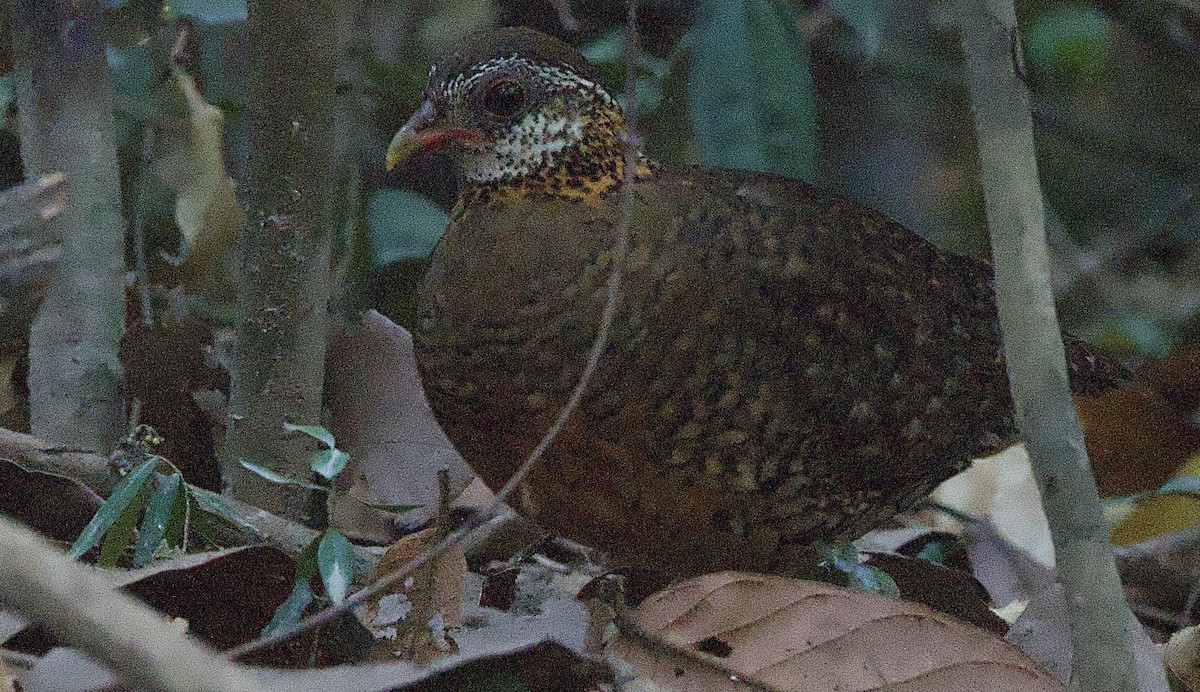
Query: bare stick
column 1100, row 621
column 632, row 156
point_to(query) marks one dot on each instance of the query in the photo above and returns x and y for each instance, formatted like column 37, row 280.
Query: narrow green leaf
column 178, row 525
column 329, row 462
column 289, row 612
column 1183, row 485
column 120, row 535
column 112, row 508
column 316, row 432
column 862, row 16
column 875, row 580
column 402, row 225
column 751, row 92
column 158, row 514
column 277, row 477
column 335, row 559
column 215, row 504
column 394, row 509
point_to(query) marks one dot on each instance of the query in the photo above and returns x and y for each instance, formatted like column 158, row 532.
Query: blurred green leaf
column 6, row 96
column 751, row 90
column 208, row 11
column 609, row 49
column 289, row 612
column 276, row 477
column 1068, row 44
column 119, row 536
column 1182, row 485
column 844, row 559
column 335, row 560
column 607, row 53
column 394, row 509
column 933, row 553
column 863, row 17
column 316, row 432
column 159, row 509
column 329, row 462
column 215, row 504
column 1149, row 336
column 402, row 225
column 112, row 508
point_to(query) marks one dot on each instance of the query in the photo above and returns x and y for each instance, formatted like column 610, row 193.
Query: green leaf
column 159, row 509
column 875, row 580
column 120, row 535
column 329, row 462
column 6, row 96
column 179, row 526
column 210, row 11
column 316, row 432
column 751, row 92
column 277, row 477
column 215, row 504
column 844, row 558
column 335, row 560
column 933, row 553
column 289, row 612
column 112, row 508
column 394, row 509
column 402, row 225
column 1182, row 485
column 863, row 17
column 1070, row 43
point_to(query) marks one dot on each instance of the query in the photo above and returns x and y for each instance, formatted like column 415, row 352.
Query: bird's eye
column 503, row 97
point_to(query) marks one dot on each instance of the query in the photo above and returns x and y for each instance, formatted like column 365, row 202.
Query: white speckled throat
column 535, row 142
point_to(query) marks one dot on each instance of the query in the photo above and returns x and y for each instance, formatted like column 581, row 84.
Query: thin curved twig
column 632, row 154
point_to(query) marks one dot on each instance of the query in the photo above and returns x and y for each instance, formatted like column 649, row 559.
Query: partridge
column 786, row 369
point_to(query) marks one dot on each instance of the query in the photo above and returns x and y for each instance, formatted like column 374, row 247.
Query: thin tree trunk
column 1100, row 620
column 65, row 104
column 284, row 287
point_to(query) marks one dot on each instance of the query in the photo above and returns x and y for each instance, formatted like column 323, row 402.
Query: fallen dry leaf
column 1182, row 659
column 714, row 631
column 1135, row 438
column 411, row 619
column 381, row 417
column 191, row 161
column 1160, row 514
column 226, row 597
column 53, row 505
column 953, row 592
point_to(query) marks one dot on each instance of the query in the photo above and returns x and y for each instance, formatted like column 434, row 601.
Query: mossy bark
column 65, row 103
column 284, row 255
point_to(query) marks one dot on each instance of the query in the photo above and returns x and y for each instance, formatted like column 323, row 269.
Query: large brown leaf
column 717, row 631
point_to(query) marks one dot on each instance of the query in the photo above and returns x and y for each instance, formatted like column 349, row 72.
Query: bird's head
column 517, row 108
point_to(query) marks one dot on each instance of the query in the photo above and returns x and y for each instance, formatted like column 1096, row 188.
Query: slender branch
column 632, row 157
column 1100, row 621
column 81, row 608
column 139, row 227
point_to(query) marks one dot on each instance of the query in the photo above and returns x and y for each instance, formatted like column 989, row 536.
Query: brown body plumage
column 786, row 368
